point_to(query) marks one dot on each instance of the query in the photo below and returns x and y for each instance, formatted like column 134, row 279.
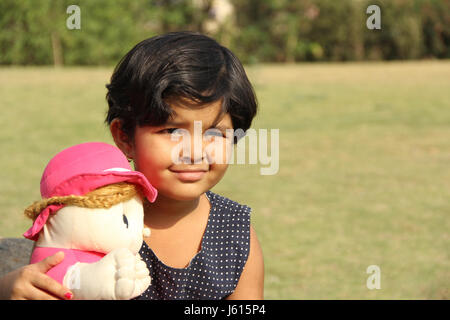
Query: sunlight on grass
column 364, row 174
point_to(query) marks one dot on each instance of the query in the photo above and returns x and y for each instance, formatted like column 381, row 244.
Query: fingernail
column 68, row 295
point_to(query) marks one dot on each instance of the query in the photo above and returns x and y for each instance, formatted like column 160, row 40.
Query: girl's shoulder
column 227, row 208
column 227, row 221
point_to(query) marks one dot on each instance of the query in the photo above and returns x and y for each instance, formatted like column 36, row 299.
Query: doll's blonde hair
column 103, row 197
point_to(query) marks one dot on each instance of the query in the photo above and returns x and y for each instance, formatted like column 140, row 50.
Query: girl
column 201, row 245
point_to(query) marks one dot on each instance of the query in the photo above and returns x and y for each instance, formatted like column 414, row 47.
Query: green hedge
column 333, row 30
column 34, row 32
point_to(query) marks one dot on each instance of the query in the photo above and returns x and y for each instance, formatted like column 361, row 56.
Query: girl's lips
column 189, row 175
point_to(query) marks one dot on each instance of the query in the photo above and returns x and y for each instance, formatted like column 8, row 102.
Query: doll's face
column 100, row 230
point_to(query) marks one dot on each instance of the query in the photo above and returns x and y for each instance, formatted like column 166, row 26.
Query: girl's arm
column 251, row 283
column 31, row 282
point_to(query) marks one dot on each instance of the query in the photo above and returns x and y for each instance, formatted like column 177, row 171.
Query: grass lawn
column 364, row 173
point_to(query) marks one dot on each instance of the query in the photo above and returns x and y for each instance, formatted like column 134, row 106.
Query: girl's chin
column 185, row 193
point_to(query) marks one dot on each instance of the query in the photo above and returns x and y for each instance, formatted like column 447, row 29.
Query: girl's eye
column 168, row 130
column 125, row 220
column 175, row 132
column 214, row 133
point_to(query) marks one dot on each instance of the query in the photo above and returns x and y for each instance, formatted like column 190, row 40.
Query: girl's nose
column 193, row 151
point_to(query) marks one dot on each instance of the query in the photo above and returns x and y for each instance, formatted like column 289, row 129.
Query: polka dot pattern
column 215, row 270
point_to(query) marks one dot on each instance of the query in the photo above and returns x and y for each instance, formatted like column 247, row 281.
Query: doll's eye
column 125, row 220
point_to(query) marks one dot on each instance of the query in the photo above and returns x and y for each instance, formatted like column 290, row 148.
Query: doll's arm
column 118, row 275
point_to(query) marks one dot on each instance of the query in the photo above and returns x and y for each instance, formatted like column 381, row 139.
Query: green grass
column 364, row 173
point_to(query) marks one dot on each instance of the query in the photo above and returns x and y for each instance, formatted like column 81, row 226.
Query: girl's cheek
column 154, row 152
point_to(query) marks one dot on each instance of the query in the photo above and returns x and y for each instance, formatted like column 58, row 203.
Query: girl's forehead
column 188, row 111
column 187, row 104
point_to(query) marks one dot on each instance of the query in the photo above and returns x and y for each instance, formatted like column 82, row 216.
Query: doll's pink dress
column 71, row 256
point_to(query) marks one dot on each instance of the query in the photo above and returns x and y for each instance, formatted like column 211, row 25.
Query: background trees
column 35, row 32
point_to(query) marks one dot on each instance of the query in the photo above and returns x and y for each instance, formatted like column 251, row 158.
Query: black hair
column 178, row 64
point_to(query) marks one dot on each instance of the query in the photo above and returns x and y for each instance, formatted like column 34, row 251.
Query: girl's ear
column 123, row 142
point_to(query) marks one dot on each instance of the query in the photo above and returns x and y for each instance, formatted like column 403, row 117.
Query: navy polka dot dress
column 215, row 270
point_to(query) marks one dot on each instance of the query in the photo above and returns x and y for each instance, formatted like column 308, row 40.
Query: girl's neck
column 166, row 212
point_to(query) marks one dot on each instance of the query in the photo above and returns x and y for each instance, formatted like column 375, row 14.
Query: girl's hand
column 31, row 283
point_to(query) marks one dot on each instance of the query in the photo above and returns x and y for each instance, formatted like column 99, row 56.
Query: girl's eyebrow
column 221, row 127
column 174, row 120
column 173, row 123
column 180, row 122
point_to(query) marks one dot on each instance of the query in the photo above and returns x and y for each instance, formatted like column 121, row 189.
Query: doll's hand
column 119, row 275
column 143, row 279
column 132, row 275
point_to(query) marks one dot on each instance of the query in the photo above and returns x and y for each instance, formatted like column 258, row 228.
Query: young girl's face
column 157, row 153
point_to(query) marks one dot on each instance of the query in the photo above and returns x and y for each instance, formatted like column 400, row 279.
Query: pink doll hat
column 82, row 168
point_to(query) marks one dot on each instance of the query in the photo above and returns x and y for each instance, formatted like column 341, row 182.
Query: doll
column 92, row 210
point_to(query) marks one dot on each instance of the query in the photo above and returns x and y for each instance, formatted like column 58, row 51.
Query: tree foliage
column 34, row 32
